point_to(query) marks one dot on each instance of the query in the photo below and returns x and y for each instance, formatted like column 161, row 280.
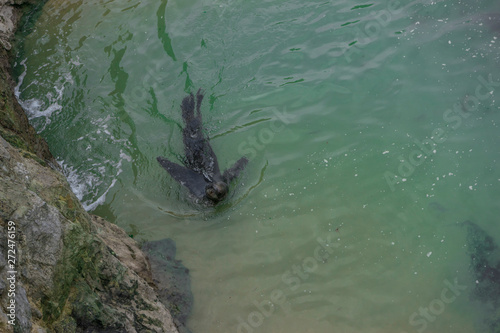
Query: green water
column 345, row 217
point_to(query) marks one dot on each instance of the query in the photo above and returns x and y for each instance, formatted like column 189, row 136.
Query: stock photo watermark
column 371, row 29
column 256, row 143
column 453, row 119
column 420, row 319
column 11, row 272
column 291, row 279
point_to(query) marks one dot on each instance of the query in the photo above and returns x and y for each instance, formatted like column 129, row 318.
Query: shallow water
column 345, row 219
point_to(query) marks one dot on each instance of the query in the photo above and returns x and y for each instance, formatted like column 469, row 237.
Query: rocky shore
column 62, row 269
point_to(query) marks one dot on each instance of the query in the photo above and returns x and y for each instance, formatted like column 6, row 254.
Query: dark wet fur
column 199, row 155
column 201, row 173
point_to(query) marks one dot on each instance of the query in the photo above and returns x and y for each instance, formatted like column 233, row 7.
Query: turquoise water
column 345, row 218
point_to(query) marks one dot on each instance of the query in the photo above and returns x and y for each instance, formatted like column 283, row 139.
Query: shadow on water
column 172, row 280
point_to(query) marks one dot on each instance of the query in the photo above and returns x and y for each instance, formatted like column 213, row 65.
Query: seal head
column 216, row 191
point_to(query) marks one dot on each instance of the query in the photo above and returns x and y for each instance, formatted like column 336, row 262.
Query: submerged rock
column 172, row 279
column 485, row 266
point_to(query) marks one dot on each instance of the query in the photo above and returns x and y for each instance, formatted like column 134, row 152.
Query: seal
column 200, row 173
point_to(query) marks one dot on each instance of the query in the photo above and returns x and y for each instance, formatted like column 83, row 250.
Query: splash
column 41, row 110
column 87, row 184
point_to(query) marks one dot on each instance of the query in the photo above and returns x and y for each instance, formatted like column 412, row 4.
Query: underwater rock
column 201, row 173
column 437, row 207
column 481, row 247
column 172, row 279
column 493, row 22
column 485, row 268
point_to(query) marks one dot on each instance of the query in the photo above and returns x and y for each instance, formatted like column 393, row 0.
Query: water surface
column 345, row 219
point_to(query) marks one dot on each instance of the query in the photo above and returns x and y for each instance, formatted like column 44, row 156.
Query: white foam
column 93, row 205
column 90, row 179
column 37, row 108
column 85, row 184
column 80, row 183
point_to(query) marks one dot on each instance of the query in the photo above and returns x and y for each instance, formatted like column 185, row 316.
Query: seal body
column 200, row 172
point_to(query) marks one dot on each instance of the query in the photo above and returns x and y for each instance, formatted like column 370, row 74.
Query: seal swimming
column 201, row 174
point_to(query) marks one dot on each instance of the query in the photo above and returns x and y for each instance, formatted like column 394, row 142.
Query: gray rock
column 76, row 273
column 23, row 311
column 41, row 243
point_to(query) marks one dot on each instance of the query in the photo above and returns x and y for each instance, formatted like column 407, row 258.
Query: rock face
column 14, row 125
column 75, row 273
column 61, row 269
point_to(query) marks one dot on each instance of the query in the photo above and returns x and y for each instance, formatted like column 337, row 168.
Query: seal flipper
column 199, row 99
column 187, row 108
column 195, row 182
column 235, row 170
column 200, row 156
